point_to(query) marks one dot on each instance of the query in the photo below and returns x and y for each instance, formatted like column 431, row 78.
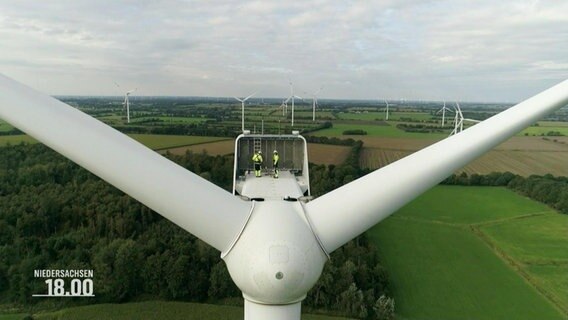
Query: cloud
column 473, row 50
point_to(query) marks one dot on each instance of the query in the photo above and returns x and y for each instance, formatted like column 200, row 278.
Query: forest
column 56, row 215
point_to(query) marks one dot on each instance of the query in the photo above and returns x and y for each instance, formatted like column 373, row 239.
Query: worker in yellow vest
column 257, row 159
column 275, row 159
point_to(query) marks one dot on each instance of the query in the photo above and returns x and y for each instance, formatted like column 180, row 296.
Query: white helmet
column 275, row 151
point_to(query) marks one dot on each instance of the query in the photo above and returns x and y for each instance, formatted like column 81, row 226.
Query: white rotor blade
column 245, row 99
column 191, row 202
column 350, row 210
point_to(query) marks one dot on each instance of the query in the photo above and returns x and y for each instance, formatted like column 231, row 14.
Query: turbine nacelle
column 277, row 257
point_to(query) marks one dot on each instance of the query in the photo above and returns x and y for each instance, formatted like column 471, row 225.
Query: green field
column 498, row 203
column 553, row 124
column 15, row 316
column 154, row 310
column 156, row 141
column 539, row 245
column 395, row 116
column 17, row 139
column 389, row 130
column 448, row 259
column 309, row 115
column 5, row 126
column 170, row 120
column 545, row 127
column 152, row 141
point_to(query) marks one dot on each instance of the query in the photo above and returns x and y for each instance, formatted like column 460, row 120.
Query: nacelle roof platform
column 293, row 178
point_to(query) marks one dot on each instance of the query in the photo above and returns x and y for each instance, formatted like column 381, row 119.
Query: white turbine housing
column 277, row 258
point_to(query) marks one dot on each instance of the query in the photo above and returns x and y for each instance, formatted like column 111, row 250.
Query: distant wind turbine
column 126, row 104
column 458, row 120
column 243, row 110
column 444, row 108
column 315, row 102
column 387, row 111
column 292, row 96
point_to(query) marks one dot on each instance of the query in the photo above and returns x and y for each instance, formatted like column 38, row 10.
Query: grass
column 171, row 120
column 156, row 141
column 553, row 123
column 539, row 245
column 539, row 240
column 309, row 115
column 152, row 141
column 396, row 116
column 451, row 204
column 442, row 266
column 14, row 316
column 542, row 130
column 155, row 310
column 5, row 126
column 554, row 278
column 375, row 130
column 17, row 139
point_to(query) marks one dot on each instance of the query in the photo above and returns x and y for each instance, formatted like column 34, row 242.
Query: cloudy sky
column 478, row 50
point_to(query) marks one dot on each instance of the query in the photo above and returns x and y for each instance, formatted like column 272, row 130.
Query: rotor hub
column 277, row 258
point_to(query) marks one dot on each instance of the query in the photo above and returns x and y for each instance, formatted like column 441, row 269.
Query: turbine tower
column 292, row 96
column 274, row 248
column 243, row 110
column 443, row 110
column 315, row 103
column 126, row 104
column 284, row 106
column 387, row 111
column 458, row 120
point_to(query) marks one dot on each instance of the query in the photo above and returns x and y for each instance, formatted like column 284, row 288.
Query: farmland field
column 396, row 116
column 155, row 141
column 539, row 245
column 317, row 153
column 443, row 267
column 524, row 163
column 327, row 154
column 5, row 126
column 375, row 130
column 15, row 316
column 519, row 155
column 217, row 148
column 546, row 126
column 308, row 114
column 170, row 120
column 4, row 140
column 155, row 310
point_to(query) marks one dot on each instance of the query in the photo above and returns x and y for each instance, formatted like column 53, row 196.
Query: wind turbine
column 292, row 96
column 387, row 111
column 444, row 108
column 458, row 120
column 126, row 104
column 314, row 102
column 243, row 110
column 284, row 106
column 274, row 250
